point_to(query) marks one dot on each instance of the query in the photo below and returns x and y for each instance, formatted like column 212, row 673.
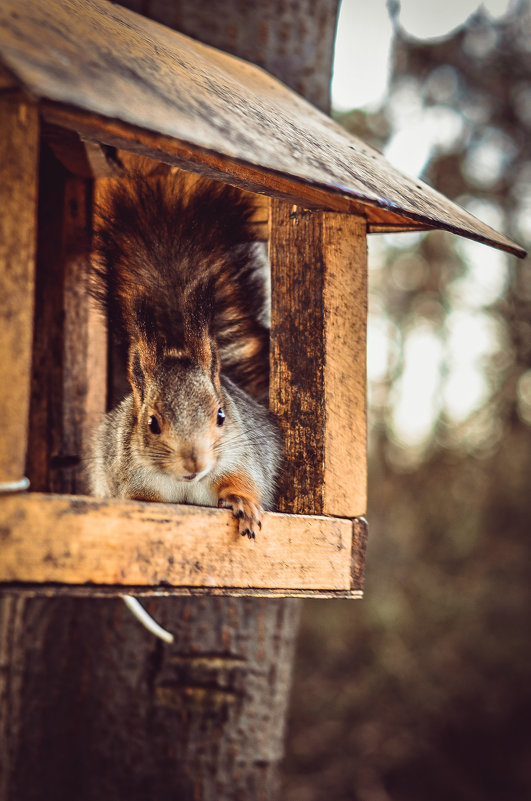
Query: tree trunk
column 99, row 708
column 92, row 705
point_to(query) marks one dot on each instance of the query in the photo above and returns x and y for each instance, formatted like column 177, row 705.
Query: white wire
column 140, row 613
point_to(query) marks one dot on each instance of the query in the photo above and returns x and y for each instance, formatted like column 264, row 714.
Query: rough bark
column 96, row 707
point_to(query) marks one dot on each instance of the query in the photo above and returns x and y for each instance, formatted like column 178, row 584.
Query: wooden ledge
column 82, row 545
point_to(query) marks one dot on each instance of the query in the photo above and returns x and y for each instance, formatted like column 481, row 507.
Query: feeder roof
column 125, row 80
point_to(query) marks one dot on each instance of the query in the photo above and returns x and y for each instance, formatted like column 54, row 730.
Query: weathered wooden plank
column 344, row 247
column 46, row 409
column 18, row 196
column 83, row 158
column 187, row 156
column 360, row 533
column 69, row 351
column 79, row 540
column 259, row 180
column 292, row 41
column 297, row 354
column 75, row 591
column 7, row 81
column 86, row 54
column 318, row 361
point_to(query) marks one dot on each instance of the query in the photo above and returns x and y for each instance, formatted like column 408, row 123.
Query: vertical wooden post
column 19, row 145
column 19, row 126
column 69, row 352
column 318, row 357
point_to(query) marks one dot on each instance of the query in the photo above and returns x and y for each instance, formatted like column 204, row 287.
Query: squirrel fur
column 176, row 267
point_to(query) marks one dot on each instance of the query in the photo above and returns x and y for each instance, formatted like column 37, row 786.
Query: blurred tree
column 422, row 690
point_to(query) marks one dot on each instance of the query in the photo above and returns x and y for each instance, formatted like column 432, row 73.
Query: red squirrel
column 176, row 266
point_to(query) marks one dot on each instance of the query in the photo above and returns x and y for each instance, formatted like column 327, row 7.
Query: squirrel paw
column 248, row 514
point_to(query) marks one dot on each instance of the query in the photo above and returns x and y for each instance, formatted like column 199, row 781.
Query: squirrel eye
column 221, row 417
column 154, row 425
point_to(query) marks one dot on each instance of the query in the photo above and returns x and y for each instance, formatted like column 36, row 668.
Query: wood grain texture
column 7, row 81
column 318, row 358
column 73, row 591
column 83, row 158
column 291, row 39
column 108, row 61
column 69, row 350
column 344, row 246
column 100, row 709
column 360, row 533
column 18, row 221
column 297, row 354
column 78, row 540
column 259, row 180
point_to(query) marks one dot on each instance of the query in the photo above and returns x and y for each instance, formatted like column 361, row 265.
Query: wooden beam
column 8, row 82
column 82, row 541
column 190, row 157
column 83, row 158
column 18, row 196
column 318, row 358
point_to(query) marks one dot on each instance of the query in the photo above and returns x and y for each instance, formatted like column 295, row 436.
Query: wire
column 140, row 613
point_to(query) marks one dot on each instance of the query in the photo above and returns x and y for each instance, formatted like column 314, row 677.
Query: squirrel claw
column 247, row 512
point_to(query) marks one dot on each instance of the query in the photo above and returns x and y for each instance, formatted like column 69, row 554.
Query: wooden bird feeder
column 97, row 85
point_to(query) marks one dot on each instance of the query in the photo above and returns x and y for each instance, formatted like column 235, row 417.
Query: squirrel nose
column 191, row 462
column 190, row 465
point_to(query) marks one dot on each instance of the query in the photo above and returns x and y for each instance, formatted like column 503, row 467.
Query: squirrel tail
column 173, row 258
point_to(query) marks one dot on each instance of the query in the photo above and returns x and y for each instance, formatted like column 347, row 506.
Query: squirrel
column 176, row 267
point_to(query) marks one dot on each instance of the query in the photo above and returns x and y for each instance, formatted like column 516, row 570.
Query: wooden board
column 82, row 541
column 219, row 167
column 69, row 350
column 344, row 244
column 18, row 221
column 318, row 358
column 95, row 62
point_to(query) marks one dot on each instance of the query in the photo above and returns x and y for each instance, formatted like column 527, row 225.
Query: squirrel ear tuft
column 199, row 345
column 215, row 366
column 204, row 350
column 142, row 361
column 198, row 312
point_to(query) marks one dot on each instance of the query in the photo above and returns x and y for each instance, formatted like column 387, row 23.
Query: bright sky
column 364, row 36
column 438, row 374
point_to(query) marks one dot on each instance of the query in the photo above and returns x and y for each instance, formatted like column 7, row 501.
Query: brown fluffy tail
column 170, row 256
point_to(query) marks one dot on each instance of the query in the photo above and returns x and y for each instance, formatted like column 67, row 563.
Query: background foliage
column 422, row 690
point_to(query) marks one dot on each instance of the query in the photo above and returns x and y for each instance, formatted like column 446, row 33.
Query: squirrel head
column 179, row 406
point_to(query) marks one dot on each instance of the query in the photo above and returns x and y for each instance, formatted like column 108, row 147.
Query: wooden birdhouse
column 86, row 88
